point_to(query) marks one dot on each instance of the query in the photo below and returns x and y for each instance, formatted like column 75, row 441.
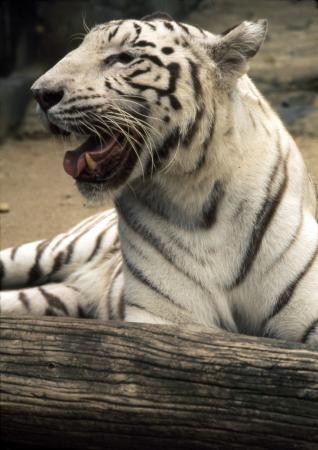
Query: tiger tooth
column 90, row 162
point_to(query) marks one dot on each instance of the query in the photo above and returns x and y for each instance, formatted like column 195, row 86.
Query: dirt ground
column 44, row 201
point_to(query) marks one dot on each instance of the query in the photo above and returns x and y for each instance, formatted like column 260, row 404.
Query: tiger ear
column 236, row 46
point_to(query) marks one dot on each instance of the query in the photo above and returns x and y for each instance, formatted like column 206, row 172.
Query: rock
column 14, row 97
column 296, row 108
column 31, row 125
column 4, row 207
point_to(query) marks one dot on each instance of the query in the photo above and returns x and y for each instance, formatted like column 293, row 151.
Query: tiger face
column 142, row 94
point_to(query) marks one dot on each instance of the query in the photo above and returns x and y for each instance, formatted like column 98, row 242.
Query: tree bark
column 83, row 384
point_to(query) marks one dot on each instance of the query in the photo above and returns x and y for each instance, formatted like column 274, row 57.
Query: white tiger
column 216, row 211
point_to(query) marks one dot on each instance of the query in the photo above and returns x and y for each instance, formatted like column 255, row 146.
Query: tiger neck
column 194, row 201
column 195, row 213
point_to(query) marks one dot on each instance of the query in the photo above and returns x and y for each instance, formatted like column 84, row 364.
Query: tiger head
column 142, row 95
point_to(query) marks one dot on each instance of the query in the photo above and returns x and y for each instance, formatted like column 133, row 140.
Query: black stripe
column 292, row 240
column 35, row 273
column 24, row 300
column 139, row 72
column 138, row 29
column 124, row 40
column 252, row 119
column 262, row 221
column 81, row 97
column 143, row 308
column 112, row 34
column 144, row 280
column 143, row 44
column 150, row 25
column 109, row 86
column 184, row 27
column 309, row 331
column 49, row 312
column 170, row 142
column 229, row 29
column 154, row 59
column 287, row 294
column 135, row 305
column 199, row 114
column 211, row 205
column 193, row 128
column 155, row 242
column 2, row 273
column 174, row 69
column 174, row 102
column 156, row 201
column 208, row 140
column 78, row 109
column 96, row 246
column 110, row 315
column 86, row 223
column 263, row 108
column 129, row 216
column 14, row 251
column 57, row 262
column 168, row 25
column 65, row 256
column 81, row 312
column 138, row 61
column 205, row 146
column 72, row 287
column 53, row 301
column 195, row 78
column 64, row 236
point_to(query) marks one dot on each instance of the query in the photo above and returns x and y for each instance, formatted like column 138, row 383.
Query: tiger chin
column 214, row 220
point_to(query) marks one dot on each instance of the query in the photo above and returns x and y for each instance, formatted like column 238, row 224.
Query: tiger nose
column 47, row 98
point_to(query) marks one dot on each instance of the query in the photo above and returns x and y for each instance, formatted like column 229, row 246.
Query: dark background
column 40, row 32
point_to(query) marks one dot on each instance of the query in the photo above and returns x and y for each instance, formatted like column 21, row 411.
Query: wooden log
column 83, row 384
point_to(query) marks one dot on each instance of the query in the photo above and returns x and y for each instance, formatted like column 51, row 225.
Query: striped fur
column 216, row 212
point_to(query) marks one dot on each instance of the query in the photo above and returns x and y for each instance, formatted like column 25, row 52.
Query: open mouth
column 105, row 158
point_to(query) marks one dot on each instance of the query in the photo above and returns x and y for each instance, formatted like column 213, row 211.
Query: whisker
column 85, row 26
column 126, row 136
column 147, row 142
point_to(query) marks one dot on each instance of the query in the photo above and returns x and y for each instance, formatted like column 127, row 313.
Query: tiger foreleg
column 54, row 260
column 54, row 299
column 298, row 319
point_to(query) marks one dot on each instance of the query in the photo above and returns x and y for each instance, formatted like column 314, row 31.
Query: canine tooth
column 90, row 162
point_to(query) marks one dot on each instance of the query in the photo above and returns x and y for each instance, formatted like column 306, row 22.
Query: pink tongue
column 74, row 160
